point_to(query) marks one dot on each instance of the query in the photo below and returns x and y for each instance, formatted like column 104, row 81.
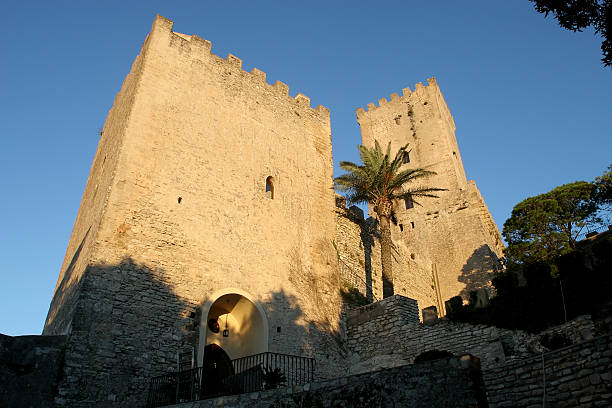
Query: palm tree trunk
column 386, row 256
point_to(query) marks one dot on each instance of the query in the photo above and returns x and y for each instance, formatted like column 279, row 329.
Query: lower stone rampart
column 579, row 375
column 388, row 338
column 388, row 334
column 30, row 369
column 415, row 386
column 385, row 334
column 576, row 330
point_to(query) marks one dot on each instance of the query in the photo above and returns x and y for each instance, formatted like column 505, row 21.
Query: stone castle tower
column 210, row 199
column 453, row 236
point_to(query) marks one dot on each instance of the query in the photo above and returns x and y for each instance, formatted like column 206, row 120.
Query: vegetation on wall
column 273, row 378
column 352, row 297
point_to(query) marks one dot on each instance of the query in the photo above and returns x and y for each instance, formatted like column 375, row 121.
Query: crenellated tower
column 208, row 209
column 421, row 120
column 454, row 236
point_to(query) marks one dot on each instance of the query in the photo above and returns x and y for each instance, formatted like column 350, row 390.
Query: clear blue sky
column 532, row 102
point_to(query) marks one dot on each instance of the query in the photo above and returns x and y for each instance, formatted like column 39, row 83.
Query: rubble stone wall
column 444, row 383
column 358, row 248
column 578, row 375
column 388, row 334
column 30, row 370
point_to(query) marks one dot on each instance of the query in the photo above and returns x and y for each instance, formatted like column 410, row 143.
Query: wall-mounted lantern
column 226, row 331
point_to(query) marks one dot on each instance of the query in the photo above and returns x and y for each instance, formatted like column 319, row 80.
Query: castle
column 210, row 208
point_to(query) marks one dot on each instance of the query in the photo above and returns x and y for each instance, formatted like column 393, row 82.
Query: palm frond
column 381, row 178
column 398, row 160
column 409, row 176
column 412, row 194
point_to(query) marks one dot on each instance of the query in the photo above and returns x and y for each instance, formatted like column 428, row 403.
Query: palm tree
column 379, row 182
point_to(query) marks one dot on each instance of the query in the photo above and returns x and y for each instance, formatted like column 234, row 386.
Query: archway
column 235, row 323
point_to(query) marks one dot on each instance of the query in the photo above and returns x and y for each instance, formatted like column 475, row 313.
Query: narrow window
column 270, row 188
column 401, row 227
column 406, row 157
column 409, row 203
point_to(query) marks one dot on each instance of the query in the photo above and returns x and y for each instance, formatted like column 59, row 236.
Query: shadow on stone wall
column 368, row 233
column 30, row 370
column 129, row 325
column 65, row 295
column 478, row 270
column 315, row 310
column 305, row 334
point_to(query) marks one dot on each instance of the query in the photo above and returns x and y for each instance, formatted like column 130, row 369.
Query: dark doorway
column 217, row 370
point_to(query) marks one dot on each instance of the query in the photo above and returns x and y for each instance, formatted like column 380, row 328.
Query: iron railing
column 173, row 388
column 252, row 373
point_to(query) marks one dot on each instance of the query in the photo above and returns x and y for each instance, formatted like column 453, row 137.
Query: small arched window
column 270, row 187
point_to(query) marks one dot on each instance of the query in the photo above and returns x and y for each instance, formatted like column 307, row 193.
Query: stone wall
column 443, row 383
column 30, row 370
column 453, row 237
column 388, row 334
column 578, row 375
column 359, row 263
column 576, row 330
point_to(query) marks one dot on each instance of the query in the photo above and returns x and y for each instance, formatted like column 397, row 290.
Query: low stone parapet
column 388, row 333
column 453, row 382
column 579, row 375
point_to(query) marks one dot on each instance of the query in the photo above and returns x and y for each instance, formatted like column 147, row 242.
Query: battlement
column 200, row 48
column 419, row 89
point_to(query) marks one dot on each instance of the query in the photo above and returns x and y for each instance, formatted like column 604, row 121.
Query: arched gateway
column 236, row 323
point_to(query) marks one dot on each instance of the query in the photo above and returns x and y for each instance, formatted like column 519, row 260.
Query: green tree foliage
column 603, row 190
column 547, row 225
column 577, row 15
column 380, row 181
